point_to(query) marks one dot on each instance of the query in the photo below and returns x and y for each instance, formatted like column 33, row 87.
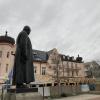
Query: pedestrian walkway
column 98, row 98
column 82, row 97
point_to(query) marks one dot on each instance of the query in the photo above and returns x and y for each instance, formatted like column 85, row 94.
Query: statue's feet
column 20, row 86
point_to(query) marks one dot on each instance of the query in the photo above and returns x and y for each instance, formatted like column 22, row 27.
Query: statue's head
column 27, row 29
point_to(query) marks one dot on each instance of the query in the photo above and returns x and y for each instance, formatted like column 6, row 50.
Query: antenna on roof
column 6, row 33
column 78, row 55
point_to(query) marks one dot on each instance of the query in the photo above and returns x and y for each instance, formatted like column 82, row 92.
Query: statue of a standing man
column 23, row 65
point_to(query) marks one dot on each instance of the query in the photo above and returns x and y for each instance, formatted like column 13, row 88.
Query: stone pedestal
column 23, row 94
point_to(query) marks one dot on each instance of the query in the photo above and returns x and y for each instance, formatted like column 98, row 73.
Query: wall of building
column 6, row 59
column 56, row 69
column 41, row 72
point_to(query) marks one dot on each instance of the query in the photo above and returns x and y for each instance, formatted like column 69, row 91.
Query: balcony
column 71, row 69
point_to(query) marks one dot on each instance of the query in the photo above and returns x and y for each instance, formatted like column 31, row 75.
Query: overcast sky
column 71, row 26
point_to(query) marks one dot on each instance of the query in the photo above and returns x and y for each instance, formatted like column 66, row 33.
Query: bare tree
column 56, row 60
column 56, row 67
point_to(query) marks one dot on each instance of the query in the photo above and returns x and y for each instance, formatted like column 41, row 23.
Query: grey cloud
column 72, row 26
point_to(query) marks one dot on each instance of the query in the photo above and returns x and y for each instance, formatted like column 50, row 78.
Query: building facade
column 7, row 47
column 49, row 66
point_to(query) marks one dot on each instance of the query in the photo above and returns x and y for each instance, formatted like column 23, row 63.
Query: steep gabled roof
column 44, row 55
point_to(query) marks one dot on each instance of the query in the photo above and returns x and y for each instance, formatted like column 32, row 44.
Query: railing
column 5, row 88
column 70, row 69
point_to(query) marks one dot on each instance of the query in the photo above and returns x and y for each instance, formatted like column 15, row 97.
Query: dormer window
column 34, row 53
column 63, row 57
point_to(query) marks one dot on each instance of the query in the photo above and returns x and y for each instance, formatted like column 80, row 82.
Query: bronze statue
column 23, row 64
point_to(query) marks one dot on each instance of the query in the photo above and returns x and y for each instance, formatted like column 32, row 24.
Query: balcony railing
column 70, row 69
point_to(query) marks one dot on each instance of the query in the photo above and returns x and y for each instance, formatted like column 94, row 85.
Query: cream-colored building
column 51, row 67
column 7, row 47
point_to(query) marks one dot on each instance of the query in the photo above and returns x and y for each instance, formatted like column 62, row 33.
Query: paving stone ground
column 98, row 98
column 82, row 97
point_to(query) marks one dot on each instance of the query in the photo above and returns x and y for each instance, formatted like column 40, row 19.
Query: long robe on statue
column 23, row 71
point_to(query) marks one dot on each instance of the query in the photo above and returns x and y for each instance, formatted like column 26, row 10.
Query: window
column 72, row 73
column 11, row 52
column 72, row 65
column 7, row 54
column 6, row 68
column 35, row 69
column 67, row 65
column 43, row 70
column 60, row 67
column 77, row 72
column 0, row 65
column 0, row 53
column 68, row 73
column 76, row 65
column 50, row 67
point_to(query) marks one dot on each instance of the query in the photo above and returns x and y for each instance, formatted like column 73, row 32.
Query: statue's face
column 28, row 32
column 27, row 29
